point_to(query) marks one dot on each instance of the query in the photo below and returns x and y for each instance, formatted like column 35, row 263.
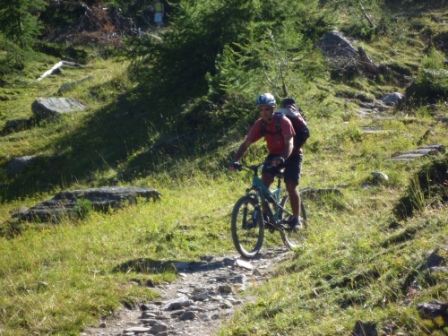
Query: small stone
column 206, row 258
column 177, row 313
column 178, row 304
column 241, row 279
column 200, row 296
column 226, row 304
column 216, row 298
column 225, row 289
column 157, row 328
column 244, row 264
column 228, row 262
column 256, row 272
column 379, row 176
column 222, row 279
column 147, row 314
column 196, row 309
column 205, row 317
column 240, row 287
column 137, row 330
column 188, row 315
column 103, row 325
column 145, row 307
column 149, row 322
column 433, row 309
column 393, row 98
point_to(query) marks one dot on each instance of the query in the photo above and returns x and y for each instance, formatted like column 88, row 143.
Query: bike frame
column 267, row 196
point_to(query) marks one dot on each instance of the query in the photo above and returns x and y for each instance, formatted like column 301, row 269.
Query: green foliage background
column 222, row 51
column 19, row 20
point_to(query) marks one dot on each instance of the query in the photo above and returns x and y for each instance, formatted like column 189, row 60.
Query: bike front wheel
column 247, row 227
column 292, row 238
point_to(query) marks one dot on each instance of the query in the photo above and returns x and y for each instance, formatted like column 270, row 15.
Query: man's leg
column 267, row 179
column 294, row 197
column 293, row 167
column 269, row 172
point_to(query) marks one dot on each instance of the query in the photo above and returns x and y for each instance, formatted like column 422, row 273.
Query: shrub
column 428, row 187
column 225, row 50
column 19, row 20
column 429, row 87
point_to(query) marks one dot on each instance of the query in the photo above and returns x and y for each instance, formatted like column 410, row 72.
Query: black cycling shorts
column 293, row 167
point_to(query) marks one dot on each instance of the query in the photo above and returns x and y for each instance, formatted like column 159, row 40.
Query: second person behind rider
column 159, row 11
column 282, row 153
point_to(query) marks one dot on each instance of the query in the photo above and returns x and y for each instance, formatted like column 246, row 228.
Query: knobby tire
column 247, row 227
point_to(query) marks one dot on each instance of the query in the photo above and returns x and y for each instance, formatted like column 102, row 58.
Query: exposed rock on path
column 206, row 294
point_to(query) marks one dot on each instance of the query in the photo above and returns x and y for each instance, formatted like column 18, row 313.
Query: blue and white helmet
column 266, row 99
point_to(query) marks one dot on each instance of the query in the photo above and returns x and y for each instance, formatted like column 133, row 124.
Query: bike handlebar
column 239, row 166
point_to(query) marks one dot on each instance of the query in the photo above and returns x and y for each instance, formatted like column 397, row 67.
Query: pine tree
column 19, row 20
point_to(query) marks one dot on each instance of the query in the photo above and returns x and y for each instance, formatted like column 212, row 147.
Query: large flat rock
column 419, row 152
column 339, row 51
column 67, row 203
column 50, row 108
column 16, row 165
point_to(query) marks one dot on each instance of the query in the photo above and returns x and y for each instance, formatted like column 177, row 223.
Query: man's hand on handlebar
column 235, row 166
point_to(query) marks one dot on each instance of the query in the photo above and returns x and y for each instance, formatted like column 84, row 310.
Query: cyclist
column 281, row 151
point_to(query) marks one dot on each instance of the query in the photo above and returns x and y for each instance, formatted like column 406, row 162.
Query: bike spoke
column 247, row 227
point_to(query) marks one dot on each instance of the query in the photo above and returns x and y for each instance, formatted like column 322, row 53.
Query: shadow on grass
column 103, row 142
column 134, row 136
column 151, row 266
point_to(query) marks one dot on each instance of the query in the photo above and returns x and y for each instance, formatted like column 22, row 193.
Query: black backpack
column 298, row 123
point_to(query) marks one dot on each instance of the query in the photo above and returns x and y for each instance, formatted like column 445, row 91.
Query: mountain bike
column 261, row 208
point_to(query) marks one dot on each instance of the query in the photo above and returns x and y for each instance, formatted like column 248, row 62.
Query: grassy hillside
column 357, row 262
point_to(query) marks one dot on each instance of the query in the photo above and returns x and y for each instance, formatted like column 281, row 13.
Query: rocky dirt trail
column 204, row 297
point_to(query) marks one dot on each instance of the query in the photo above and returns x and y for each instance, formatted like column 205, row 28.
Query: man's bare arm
column 240, row 153
column 289, row 146
column 242, row 150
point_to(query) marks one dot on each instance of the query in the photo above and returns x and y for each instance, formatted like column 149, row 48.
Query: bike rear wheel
column 292, row 238
column 247, row 227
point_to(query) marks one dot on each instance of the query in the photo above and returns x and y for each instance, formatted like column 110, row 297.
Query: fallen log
column 56, row 67
column 366, row 16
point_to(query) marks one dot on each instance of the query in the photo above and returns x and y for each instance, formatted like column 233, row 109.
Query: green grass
column 88, row 268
